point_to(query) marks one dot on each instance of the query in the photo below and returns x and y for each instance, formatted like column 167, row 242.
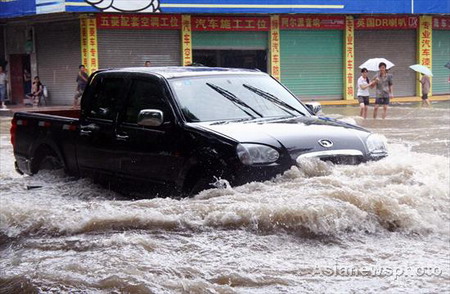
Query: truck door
column 148, row 153
column 96, row 152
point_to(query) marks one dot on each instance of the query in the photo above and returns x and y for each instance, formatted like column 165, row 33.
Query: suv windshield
column 234, row 97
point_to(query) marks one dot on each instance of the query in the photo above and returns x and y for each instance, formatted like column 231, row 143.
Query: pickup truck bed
column 43, row 135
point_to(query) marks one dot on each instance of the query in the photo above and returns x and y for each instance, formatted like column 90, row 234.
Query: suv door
column 96, row 152
column 152, row 154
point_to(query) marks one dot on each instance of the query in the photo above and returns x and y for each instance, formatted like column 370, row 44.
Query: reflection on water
column 379, row 226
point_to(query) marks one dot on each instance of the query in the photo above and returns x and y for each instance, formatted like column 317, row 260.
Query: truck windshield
column 234, row 97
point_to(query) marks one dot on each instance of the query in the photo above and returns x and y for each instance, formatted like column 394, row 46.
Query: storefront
column 231, row 41
column 441, row 55
column 58, row 57
column 393, row 38
column 130, row 40
column 312, row 55
column 315, row 50
column 17, row 39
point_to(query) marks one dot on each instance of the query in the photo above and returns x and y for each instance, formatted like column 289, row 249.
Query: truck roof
column 185, row 71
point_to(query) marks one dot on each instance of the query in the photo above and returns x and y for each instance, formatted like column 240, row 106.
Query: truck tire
column 201, row 178
column 46, row 159
column 50, row 162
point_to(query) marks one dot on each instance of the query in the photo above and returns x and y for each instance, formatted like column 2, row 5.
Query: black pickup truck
column 182, row 127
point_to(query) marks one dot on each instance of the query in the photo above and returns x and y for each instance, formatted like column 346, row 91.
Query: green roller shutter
column 312, row 63
column 229, row 40
column 441, row 55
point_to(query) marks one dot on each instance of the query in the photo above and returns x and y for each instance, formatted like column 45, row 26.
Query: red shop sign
column 290, row 22
column 441, row 23
column 139, row 21
column 218, row 23
column 386, row 22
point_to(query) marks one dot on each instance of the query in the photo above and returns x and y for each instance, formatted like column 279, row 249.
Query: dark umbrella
column 447, row 65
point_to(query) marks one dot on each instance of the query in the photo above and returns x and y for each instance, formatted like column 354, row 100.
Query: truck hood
column 297, row 135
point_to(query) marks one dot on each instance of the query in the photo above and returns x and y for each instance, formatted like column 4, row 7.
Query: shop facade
column 441, row 55
column 315, row 55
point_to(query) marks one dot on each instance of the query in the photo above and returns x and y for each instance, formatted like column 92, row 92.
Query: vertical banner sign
column 275, row 68
column 186, row 35
column 424, row 46
column 84, row 41
column 92, row 43
column 349, row 58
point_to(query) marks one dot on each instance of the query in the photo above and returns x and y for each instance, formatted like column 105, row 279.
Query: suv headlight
column 375, row 145
column 256, row 154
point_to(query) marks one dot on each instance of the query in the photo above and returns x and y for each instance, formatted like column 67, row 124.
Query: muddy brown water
column 378, row 227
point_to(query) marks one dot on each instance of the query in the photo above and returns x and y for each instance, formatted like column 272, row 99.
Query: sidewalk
column 20, row 108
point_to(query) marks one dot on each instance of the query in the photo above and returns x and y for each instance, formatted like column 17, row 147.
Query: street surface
column 377, row 227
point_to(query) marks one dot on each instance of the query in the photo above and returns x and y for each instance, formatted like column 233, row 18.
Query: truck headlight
column 375, row 145
column 256, row 154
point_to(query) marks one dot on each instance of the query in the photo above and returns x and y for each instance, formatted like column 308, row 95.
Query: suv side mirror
column 150, row 118
column 314, row 107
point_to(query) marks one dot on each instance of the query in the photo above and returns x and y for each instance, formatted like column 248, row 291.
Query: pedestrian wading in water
column 384, row 85
column 363, row 92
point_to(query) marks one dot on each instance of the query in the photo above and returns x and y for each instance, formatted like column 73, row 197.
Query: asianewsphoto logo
column 325, row 143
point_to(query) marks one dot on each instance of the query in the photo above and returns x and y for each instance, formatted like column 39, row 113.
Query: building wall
column 441, row 56
column 312, row 61
column 397, row 46
column 58, row 57
column 125, row 48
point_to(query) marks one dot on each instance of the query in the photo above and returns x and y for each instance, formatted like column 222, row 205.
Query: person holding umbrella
column 425, row 81
column 384, row 89
column 426, row 84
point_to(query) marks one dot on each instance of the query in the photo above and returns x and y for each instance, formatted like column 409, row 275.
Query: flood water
column 378, row 227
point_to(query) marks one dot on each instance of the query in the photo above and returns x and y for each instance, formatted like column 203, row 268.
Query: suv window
column 106, row 99
column 144, row 94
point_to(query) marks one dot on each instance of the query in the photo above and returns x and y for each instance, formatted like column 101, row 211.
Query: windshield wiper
column 230, row 96
column 273, row 99
column 223, row 122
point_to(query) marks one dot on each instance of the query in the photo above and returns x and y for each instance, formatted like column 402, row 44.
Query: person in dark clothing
column 37, row 90
column 82, row 79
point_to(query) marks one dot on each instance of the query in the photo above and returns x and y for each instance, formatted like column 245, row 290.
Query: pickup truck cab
column 182, row 127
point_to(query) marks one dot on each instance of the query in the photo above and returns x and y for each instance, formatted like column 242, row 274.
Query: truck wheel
column 197, row 181
column 50, row 162
column 46, row 159
column 203, row 183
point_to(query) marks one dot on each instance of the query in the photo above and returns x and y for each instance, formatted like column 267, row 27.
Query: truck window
column 145, row 94
column 106, row 100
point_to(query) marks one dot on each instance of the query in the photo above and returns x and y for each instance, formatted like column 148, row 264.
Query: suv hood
column 298, row 135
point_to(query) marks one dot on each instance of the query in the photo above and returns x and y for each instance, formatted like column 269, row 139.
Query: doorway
column 251, row 59
column 20, row 75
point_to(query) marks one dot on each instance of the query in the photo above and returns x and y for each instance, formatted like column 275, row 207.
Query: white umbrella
column 373, row 63
column 422, row 69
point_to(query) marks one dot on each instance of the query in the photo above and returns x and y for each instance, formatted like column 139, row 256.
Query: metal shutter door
column 441, row 55
column 58, row 57
column 312, row 63
column 126, row 48
column 229, row 40
column 397, row 46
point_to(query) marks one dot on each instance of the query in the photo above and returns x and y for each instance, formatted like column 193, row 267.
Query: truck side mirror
column 314, row 107
column 150, row 118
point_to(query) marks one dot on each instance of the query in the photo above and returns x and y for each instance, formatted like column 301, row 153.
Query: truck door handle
column 87, row 130
column 121, row 137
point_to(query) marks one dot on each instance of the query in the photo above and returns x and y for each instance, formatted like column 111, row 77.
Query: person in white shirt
column 363, row 92
column 3, row 81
